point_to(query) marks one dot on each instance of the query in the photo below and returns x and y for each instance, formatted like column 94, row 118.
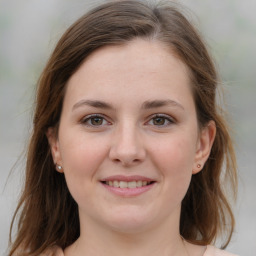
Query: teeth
column 139, row 183
column 116, row 184
column 123, row 184
column 130, row 184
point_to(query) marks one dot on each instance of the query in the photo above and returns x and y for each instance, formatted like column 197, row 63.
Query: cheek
column 174, row 159
column 81, row 160
column 177, row 153
column 81, row 152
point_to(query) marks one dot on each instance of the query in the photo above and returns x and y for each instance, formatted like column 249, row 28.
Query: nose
column 127, row 146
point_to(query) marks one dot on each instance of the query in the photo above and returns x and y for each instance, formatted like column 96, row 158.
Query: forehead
column 146, row 54
column 149, row 67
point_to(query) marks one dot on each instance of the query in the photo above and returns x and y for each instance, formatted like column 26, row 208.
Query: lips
column 128, row 185
column 125, row 184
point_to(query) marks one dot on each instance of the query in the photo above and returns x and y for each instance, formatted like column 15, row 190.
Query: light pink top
column 210, row 251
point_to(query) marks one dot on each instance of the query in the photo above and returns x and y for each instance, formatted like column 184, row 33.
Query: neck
column 96, row 239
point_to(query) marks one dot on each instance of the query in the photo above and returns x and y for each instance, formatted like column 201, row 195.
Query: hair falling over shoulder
column 47, row 215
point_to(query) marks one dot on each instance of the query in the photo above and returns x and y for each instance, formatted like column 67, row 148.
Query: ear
column 55, row 148
column 204, row 146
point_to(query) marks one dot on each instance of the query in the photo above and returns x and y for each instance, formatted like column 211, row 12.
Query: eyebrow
column 160, row 103
column 146, row 105
column 92, row 103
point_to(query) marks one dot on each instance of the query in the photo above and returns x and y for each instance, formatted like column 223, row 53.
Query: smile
column 130, row 184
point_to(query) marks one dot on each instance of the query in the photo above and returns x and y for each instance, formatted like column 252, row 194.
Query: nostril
column 127, row 152
column 126, row 161
column 116, row 160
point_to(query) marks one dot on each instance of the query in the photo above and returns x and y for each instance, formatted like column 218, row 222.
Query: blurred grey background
column 30, row 29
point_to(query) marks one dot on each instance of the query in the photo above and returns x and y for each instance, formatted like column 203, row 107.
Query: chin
column 129, row 227
column 129, row 221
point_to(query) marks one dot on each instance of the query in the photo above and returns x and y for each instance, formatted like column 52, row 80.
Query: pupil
column 97, row 121
column 159, row 121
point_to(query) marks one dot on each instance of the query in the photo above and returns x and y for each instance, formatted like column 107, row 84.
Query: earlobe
column 54, row 146
column 204, row 146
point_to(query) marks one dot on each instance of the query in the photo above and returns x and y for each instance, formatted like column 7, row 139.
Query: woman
column 128, row 153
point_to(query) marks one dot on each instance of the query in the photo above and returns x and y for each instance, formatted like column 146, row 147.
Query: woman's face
column 128, row 138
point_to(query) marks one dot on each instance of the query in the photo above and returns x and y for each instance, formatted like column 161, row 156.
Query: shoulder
column 213, row 251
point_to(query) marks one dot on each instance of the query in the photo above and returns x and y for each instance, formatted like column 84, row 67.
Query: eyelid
column 86, row 118
column 90, row 116
column 170, row 119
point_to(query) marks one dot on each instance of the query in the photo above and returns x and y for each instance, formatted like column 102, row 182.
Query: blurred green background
column 28, row 33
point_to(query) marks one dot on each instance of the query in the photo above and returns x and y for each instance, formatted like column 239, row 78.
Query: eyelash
column 165, row 117
column 87, row 119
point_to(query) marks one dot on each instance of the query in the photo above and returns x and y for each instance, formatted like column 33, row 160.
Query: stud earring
column 198, row 166
column 59, row 168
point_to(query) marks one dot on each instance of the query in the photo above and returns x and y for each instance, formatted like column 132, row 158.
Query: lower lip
column 128, row 192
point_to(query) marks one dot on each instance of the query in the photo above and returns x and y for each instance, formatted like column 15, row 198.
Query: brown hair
column 49, row 214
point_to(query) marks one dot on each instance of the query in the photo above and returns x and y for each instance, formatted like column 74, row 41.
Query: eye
column 161, row 120
column 94, row 120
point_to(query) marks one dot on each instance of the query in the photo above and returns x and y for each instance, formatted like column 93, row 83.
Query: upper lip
column 127, row 178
